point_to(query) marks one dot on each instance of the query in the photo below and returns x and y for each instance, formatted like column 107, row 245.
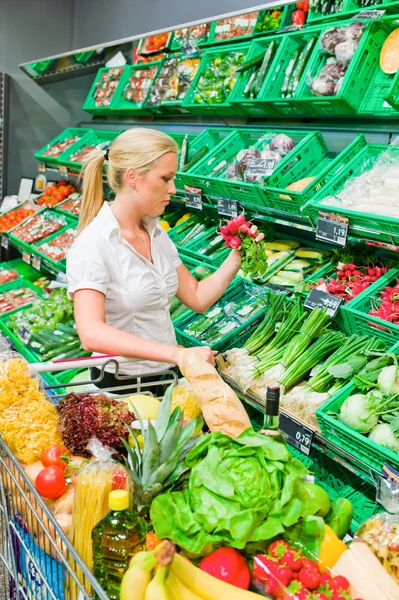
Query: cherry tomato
column 50, row 483
column 52, row 456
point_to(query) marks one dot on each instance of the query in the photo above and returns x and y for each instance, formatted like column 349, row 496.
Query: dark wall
column 102, row 21
column 29, row 30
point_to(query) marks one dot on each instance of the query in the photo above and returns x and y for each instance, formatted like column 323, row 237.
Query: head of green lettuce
column 240, row 492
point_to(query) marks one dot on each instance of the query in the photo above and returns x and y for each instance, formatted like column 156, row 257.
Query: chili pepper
column 298, row 17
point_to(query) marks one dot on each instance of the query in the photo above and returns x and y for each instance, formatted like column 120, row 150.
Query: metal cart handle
column 75, row 363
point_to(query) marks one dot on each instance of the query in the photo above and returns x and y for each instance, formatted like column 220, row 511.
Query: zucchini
column 263, row 69
column 196, row 158
column 219, row 169
column 300, row 66
column 289, row 72
column 254, row 62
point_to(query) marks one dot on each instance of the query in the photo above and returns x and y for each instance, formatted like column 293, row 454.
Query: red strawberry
column 311, row 564
column 322, row 596
column 273, row 587
column 325, row 579
column 298, row 590
column 309, row 577
column 263, row 566
column 284, row 575
column 278, row 548
column 293, row 560
column 339, row 583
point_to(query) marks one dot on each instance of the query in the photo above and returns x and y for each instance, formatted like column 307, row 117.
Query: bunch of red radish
column 389, row 307
column 237, row 229
column 352, row 280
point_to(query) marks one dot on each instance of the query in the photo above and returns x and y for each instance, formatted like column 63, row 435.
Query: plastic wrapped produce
column 106, row 86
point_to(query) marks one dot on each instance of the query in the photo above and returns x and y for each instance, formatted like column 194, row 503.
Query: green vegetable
column 356, row 413
column 289, row 72
column 315, row 499
column 340, row 516
column 387, row 380
column 240, row 491
column 263, row 69
column 384, row 435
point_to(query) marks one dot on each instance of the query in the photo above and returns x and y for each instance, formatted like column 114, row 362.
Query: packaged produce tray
column 171, row 83
column 360, row 446
column 134, row 87
column 16, row 216
column 309, row 150
column 196, row 35
column 238, row 291
column 356, row 80
column 279, row 93
column 67, row 140
column 71, row 206
column 208, row 94
column 94, row 140
column 101, row 97
column 198, row 148
column 38, row 227
column 379, row 228
column 356, row 312
column 247, row 89
column 14, row 293
column 54, row 248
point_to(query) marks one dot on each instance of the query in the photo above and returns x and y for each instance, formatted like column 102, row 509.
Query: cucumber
column 248, row 86
column 65, row 347
column 196, row 158
column 263, row 69
column 179, row 311
column 254, row 62
column 289, row 72
column 72, row 354
column 300, row 66
column 67, row 329
column 183, row 153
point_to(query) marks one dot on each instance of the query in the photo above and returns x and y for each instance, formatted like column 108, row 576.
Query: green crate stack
column 120, row 104
column 203, row 108
column 67, row 133
column 59, row 265
column 386, row 228
column 280, row 90
column 177, row 65
column 63, row 219
column 258, row 48
column 242, row 332
column 356, row 312
column 198, row 148
column 356, row 79
column 99, row 139
column 321, row 171
column 90, row 104
column 196, row 248
column 15, row 285
column 361, row 447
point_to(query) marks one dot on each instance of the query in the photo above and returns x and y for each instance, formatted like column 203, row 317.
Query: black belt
column 108, row 380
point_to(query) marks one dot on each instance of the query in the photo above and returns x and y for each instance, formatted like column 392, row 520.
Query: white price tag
column 26, row 257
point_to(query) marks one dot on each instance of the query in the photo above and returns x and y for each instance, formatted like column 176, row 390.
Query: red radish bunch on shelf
column 244, row 235
column 351, row 280
column 389, row 307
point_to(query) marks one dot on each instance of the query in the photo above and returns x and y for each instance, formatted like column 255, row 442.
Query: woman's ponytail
column 93, row 197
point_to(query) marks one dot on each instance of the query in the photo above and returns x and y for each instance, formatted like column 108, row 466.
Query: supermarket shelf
column 345, row 459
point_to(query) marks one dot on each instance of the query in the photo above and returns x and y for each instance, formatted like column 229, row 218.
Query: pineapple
column 159, row 464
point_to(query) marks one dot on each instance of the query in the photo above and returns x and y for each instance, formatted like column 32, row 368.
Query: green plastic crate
column 356, row 80
column 287, row 201
column 176, row 45
column 67, row 133
column 349, row 440
column 375, row 101
column 206, row 140
column 16, row 342
column 59, row 378
column 63, row 219
column 356, row 312
column 59, row 265
column 381, row 228
column 16, row 284
column 270, row 97
column 243, row 332
column 252, row 105
column 25, row 271
column 100, row 139
column 90, row 104
column 83, row 57
column 193, row 250
column 348, row 6
column 202, row 108
column 60, row 208
column 217, row 27
column 42, row 66
column 120, row 104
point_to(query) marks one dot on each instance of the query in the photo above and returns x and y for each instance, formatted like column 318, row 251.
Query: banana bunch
column 165, row 575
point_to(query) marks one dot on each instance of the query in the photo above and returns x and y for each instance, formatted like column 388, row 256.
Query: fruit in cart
column 228, row 565
column 143, row 405
column 50, row 482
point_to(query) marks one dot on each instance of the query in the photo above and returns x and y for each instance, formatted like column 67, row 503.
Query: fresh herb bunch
column 240, row 233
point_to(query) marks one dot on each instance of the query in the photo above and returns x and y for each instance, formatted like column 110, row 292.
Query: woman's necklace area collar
column 141, row 237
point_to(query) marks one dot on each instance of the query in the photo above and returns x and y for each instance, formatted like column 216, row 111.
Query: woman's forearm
column 105, row 339
column 210, row 289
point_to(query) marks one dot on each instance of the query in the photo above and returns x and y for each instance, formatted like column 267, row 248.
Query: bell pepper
column 228, row 565
column 298, row 17
column 303, row 6
column 331, row 549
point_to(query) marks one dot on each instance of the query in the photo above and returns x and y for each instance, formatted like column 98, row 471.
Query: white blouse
column 137, row 293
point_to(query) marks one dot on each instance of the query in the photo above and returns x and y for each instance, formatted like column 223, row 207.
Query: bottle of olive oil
column 272, row 410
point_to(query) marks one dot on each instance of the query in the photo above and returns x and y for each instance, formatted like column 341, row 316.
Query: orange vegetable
column 389, row 57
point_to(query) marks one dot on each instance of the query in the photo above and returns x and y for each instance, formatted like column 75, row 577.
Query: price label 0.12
column 332, row 228
column 323, row 300
column 227, row 207
column 296, row 434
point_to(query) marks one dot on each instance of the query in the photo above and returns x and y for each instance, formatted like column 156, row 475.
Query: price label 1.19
column 193, row 200
column 323, row 300
column 227, row 207
column 261, row 167
column 332, row 228
column 370, row 15
column 297, row 434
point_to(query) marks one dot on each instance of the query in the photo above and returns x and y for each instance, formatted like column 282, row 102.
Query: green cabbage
column 240, row 491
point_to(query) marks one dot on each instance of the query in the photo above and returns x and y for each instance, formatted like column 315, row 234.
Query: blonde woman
column 123, row 269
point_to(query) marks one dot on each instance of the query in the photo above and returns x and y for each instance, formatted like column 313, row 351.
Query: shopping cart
column 38, row 562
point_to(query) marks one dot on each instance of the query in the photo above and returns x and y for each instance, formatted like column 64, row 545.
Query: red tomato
column 50, row 483
column 228, row 565
column 52, row 456
column 49, row 189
